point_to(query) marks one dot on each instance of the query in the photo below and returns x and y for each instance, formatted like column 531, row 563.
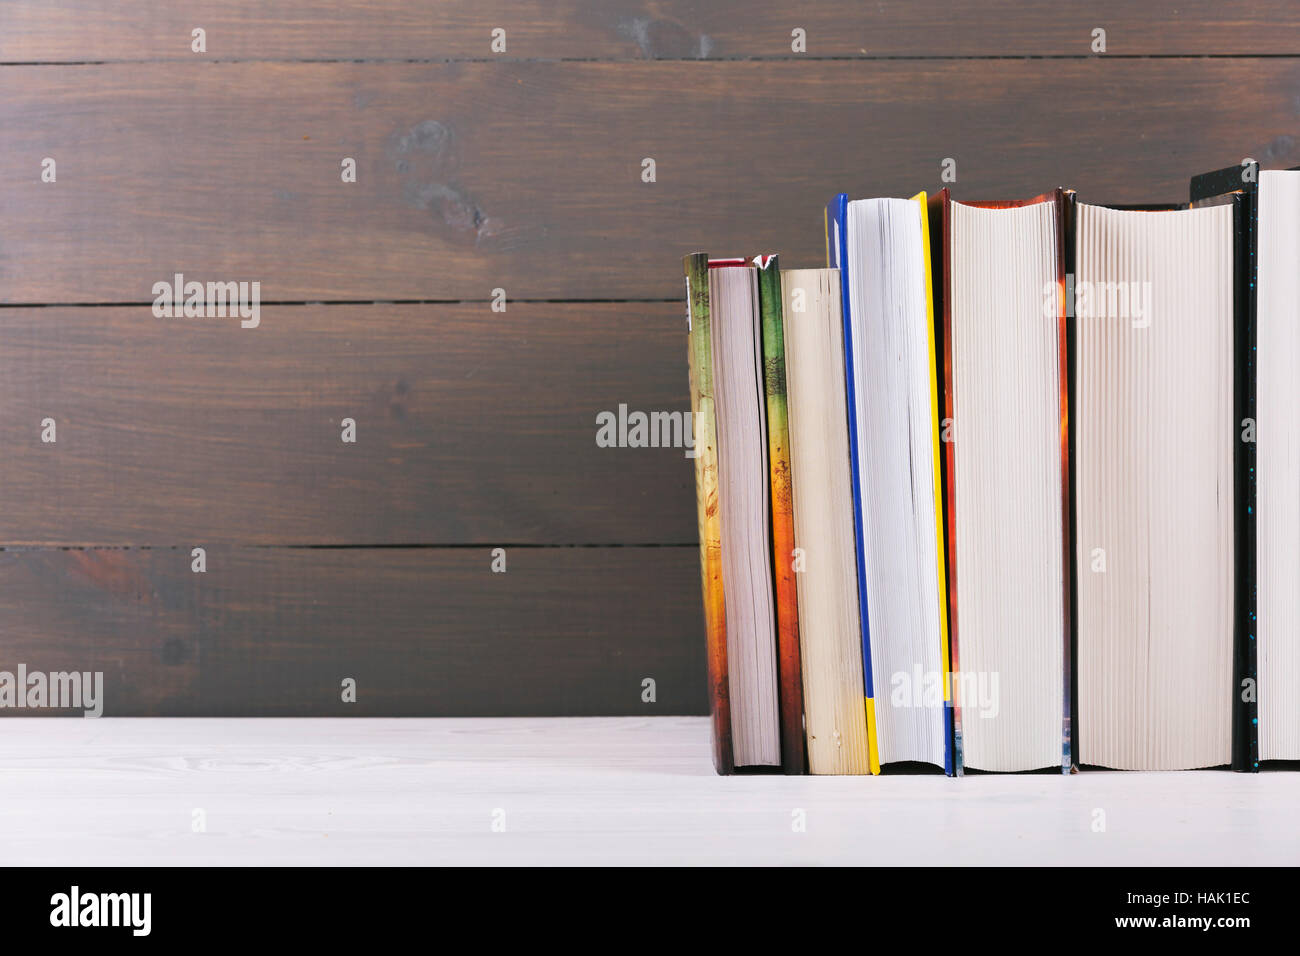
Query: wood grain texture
column 79, row 30
column 475, row 172
column 423, row 632
column 527, row 176
column 473, row 426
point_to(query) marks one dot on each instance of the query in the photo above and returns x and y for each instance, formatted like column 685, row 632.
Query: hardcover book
column 1265, row 648
column 1005, row 347
column 1154, row 381
column 1274, row 647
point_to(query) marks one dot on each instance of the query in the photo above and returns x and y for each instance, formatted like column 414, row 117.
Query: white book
column 1154, row 486
column 743, row 490
column 830, row 643
column 1005, row 350
column 900, row 524
column 1277, row 462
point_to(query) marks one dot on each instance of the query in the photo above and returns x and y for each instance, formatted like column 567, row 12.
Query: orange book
column 771, row 321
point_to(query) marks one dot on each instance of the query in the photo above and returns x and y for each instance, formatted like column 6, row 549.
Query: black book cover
column 1069, row 214
column 1238, row 185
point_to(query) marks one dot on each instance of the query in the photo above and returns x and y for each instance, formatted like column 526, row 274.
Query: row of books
column 1010, row 486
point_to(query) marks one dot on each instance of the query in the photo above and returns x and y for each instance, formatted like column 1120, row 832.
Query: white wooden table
column 573, row 791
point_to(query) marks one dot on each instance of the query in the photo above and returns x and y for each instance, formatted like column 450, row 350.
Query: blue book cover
column 837, row 257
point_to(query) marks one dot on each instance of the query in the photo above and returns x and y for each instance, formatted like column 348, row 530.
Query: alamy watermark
column 77, row 908
column 976, row 692
column 636, row 429
column 1128, row 301
column 213, row 300
column 53, row 690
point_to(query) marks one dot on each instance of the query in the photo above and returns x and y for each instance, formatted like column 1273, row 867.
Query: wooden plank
column 527, row 176
column 423, row 632
column 472, row 426
column 80, row 30
column 107, row 611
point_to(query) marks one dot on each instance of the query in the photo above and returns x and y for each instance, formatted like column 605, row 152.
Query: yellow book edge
column 922, row 201
column 873, row 752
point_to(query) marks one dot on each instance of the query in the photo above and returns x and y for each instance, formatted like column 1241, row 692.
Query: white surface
column 574, row 790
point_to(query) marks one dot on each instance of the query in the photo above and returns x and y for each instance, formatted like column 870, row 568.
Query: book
column 1154, row 369
column 1266, row 656
column 705, row 447
column 940, row 295
column 1005, row 347
column 830, row 644
column 744, row 522
column 1275, row 651
column 837, row 257
column 898, row 510
column 772, row 324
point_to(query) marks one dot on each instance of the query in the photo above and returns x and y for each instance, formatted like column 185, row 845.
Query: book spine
column 790, row 681
column 837, row 243
column 1242, row 182
column 922, row 203
column 705, row 449
column 941, row 289
column 1065, row 261
column 1245, row 666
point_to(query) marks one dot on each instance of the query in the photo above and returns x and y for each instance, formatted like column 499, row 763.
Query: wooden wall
column 475, row 428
